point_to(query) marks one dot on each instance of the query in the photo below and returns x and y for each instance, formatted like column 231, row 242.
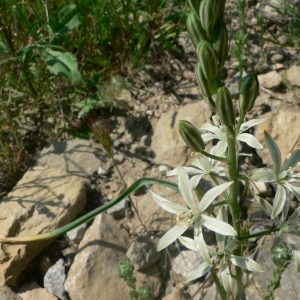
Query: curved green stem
column 91, row 215
column 219, row 158
column 258, row 234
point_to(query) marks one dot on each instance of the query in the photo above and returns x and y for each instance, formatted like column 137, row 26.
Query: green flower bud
column 206, row 86
column 208, row 13
column 191, row 135
column 194, row 4
column 249, row 90
column 195, row 29
column 224, row 107
column 220, row 43
column 221, row 9
column 208, row 60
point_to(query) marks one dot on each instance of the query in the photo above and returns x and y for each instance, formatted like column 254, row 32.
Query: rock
column 32, row 291
column 119, row 158
column 43, row 200
column 142, row 252
column 118, row 211
column 289, row 288
column 177, row 293
column 75, row 235
column 78, row 157
column 271, row 80
column 55, row 278
column 94, row 272
column 279, row 125
column 293, row 75
column 185, row 262
column 167, row 143
column 7, row 294
column 101, row 171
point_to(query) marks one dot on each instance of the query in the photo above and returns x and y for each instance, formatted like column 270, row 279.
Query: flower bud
column 195, row 29
column 249, row 90
column 220, row 43
column 224, row 107
column 191, row 135
column 194, row 4
column 206, row 86
column 208, row 13
column 208, row 60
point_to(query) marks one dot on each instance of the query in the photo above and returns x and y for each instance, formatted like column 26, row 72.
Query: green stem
column 241, row 120
column 219, row 286
column 259, row 234
column 223, row 159
column 91, row 215
column 212, row 102
column 234, row 205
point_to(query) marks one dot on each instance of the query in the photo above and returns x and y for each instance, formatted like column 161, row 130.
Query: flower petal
column 274, row 151
column 167, row 205
column 199, row 272
column 171, row 235
column 296, row 255
column 226, row 278
column 212, row 194
column 195, row 180
column 188, row 243
column 185, row 188
column 200, row 243
column 296, row 191
column 280, row 198
column 245, row 126
column 246, row 263
column 263, row 175
column 250, row 140
column 218, row 226
column 222, row 216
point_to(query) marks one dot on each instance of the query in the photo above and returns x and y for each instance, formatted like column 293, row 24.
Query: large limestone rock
column 94, row 272
column 167, row 143
column 283, row 125
column 43, row 200
column 77, row 157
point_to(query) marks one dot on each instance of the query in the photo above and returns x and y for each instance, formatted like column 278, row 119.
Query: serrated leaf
column 62, row 63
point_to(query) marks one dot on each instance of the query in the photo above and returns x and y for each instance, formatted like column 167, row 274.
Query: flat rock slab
column 43, row 200
column 77, row 157
column 169, row 147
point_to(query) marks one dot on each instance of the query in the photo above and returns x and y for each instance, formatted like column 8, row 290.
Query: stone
column 185, row 262
column 118, row 211
column 8, row 294
column 43, row 200
column 142, row 252
column 167, row 143
column 78, row 157
column 280, row 126
column 32, row 291
column 75, row 235
column 271, row 80
column 293, row 76
column 94, row 272
column 55, row 278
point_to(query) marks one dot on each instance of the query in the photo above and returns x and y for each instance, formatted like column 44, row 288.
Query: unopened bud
column 208, row 13
column 224, row 107
column 220, row 43
column 191, row 135
column 206, row 86
column 195, row 29
column 208, row 60
column 248, row 92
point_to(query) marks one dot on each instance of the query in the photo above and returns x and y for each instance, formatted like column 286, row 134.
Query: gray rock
column 55, row 278
column 32, row 291
column 43, row 200
column 118, row 211
column 271, row 80
column 185, row 262
column 7, row 294
column 142, row 252
column 293, row 75
column 77, row 233
column 78, row 157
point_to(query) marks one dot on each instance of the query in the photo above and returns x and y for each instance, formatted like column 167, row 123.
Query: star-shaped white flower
column 283, row 174
column 221, row 257
column 289, row 227
column 201, row 166
column 194, row 213
column 219, row 132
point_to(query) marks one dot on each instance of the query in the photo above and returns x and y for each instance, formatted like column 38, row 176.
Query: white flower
column 289, row 227
column 283, row 175
column 221, row 257
column 201, row 166
column 219, row 133
column 193, row 214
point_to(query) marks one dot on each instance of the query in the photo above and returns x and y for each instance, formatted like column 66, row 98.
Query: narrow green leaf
column 274, row 151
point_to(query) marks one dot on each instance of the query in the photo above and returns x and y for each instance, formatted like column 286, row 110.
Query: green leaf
column 68, row 18
column 274, row 151
column 62, row 63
